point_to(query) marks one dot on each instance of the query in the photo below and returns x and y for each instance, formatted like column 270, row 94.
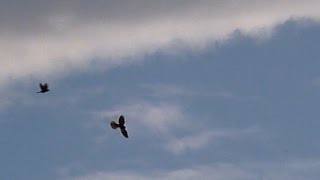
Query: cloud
column 169, row 90
column 202, row 139
column 164, row 90
column 11, row 97
column 177, row 132
column 315, row 82
column 51, row 38
column 294, row 170
column 156, row 118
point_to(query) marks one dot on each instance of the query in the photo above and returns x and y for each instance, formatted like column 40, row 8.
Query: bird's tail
column 114, row 125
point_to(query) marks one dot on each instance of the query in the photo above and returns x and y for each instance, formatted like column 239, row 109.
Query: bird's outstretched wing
column 114, row 125
column 41, row 86
column 121, row 120
column 124, row 133
column 45, row 86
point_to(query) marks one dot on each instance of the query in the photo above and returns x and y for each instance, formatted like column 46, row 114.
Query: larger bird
column 121, row 121
column 44, row 88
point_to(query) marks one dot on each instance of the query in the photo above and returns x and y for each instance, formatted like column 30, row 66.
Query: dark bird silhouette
column 115, row 125
column 43, row 87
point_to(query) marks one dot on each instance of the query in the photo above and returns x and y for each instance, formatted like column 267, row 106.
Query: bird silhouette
column 43, row 87
column 120, row 125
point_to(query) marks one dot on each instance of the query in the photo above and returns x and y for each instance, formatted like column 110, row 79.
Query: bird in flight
column 120, row 125
column 43, row 87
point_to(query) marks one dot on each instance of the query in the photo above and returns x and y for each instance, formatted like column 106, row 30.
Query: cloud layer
column 49, row 38
column 295, row 170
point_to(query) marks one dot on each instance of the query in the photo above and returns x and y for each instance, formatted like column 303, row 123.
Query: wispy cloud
column 59, row 36
column 170, row 90
column 161, row 90
column 294, row 170
column 315, row 82
column 202, row 139
column 155, row 117
column 11, row 97
column 171, row 124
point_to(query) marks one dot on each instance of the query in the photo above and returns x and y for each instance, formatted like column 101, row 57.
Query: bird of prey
column 43, row 87
column 120, row 125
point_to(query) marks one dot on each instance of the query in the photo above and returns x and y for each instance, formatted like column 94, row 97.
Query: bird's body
column 120, row 125
column 44, row 88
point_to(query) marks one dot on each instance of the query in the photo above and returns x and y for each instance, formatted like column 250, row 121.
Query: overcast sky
column 219, row 89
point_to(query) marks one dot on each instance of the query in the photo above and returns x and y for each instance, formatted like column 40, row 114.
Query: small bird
column 43, row 87
column 115, row 125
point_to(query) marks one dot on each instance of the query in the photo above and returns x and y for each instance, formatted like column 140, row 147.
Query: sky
column 210, row 89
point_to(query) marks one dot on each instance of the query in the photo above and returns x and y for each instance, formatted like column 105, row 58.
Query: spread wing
column 45, row 86
column 124, row 133
column 114, row 125
column 41, row 86
column 121, row 120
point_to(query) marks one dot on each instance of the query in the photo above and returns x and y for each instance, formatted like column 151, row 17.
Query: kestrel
column 115, row 125
column 44, row 88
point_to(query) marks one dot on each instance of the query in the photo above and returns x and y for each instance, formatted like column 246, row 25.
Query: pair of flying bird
column 45, row 88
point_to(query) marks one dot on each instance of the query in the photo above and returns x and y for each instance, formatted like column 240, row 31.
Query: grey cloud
column 53, row 37
column 33, row 15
